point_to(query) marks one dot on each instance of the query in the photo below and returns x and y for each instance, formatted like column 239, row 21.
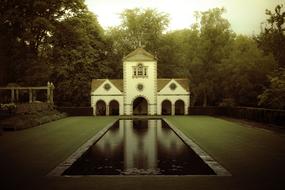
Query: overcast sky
column 245, row 16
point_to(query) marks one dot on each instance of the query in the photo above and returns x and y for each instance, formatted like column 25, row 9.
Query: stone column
column 30, row 95
column 48, row 92
column 186, row 110
column 107, row 109
column 17, row 95
column 12, row 95
column 51, row 92
column 94, row 110
column 173, row 109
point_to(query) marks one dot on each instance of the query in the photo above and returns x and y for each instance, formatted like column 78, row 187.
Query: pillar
column 107, row 109
column 12, row 95
column 173, row 109
column 51, row 92
column 17, row 95
column 48, row 92
column 30, row 95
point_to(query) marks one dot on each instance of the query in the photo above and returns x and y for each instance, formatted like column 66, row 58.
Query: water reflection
column 139, row 147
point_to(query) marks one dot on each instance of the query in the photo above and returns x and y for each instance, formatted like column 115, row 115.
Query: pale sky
column 245, row 16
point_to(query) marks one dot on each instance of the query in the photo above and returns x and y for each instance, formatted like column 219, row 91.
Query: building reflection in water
column 139, row 147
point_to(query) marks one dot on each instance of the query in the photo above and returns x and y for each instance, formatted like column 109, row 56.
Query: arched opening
column 140, row 106
column 179, row 107
column 166, row 107
column 100, row 108
column 114, row 107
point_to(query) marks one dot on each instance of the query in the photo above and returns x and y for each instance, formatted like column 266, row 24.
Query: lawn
column 255, row 157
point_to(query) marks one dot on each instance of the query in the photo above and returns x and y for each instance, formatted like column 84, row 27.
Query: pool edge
column 212, row 163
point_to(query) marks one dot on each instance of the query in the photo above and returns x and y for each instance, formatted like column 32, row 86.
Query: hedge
column 256, row 114
column 76, row 111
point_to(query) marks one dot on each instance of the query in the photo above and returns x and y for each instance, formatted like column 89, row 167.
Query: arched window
column 140, row 71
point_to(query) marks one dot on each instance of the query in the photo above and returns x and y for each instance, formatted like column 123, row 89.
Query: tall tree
column 27, row 26
column 272, row 40
column 272, row 37
column 139, row 27
column 243, row 74
column 79, row 54
column 215, row 36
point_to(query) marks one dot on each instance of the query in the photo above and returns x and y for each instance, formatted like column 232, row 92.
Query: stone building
column 140, row 92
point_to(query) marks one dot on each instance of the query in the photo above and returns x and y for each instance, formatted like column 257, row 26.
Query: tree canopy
column 61, row 41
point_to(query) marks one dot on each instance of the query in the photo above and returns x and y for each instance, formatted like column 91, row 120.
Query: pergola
column 15, row 92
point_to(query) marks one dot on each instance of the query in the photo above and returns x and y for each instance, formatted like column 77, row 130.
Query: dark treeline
column 62, row 42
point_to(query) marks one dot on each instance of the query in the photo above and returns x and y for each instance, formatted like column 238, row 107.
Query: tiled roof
column 139, row 54
column 184, row 83
column 116, row 82
column 161, row 83
column 96, row 83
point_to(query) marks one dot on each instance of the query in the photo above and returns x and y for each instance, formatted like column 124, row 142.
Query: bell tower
column 140, row 83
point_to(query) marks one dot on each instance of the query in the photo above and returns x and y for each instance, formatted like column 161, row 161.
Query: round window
column 107, row 86
column 140, row 87
column 172, row 86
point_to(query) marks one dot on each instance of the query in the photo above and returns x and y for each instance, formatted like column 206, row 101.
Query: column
column 48, row 92
column 17, row 95
column 186, row 110
column 107, row 109
column 173, row 109
column 12, row 95
column 30, row 95
column 51, row 92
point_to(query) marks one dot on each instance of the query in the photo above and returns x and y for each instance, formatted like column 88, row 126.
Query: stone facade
column 140, row 91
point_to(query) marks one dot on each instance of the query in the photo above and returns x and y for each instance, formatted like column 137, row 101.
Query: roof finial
column 140, row 44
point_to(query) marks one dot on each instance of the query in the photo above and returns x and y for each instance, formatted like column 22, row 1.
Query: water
column 139, row 147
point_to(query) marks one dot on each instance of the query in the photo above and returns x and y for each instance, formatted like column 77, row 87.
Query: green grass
column 35, row 151
column 255, row 157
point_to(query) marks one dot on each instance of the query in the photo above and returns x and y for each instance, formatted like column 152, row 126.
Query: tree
column 26, row 26
column 272, row 38
column 139, row 27
column 215, row 37
column 79, row 54
column 243, row 74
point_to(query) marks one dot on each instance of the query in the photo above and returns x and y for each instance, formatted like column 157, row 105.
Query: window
column 140, row 71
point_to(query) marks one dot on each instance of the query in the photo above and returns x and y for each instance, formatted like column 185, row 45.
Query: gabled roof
column 118, row 83
column 139, row 54
column 96, row 83
column 161, row 83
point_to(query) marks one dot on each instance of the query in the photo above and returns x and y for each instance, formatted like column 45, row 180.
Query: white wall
column 173, row 95
column 149, row 83
column 107, row 96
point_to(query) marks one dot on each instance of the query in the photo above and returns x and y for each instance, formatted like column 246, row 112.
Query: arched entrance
column 179, row 107
column 140, row 106
column 100, row 107
column 166, row 107
column 114, row 107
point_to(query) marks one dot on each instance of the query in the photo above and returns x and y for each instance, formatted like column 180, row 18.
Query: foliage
column 243, row 74
column 215, row 37
column 78, row 56
column 272, row 38
column 139, row 27
column 8, row 107
column 25, row 29
column 274, row 96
